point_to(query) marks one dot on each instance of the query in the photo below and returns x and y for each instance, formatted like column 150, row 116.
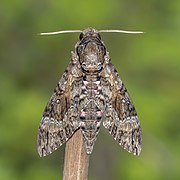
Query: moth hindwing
column 90, row 91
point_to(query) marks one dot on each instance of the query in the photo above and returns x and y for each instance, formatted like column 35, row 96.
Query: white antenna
column 88, row 29
column 60, row 32
column 121, row 31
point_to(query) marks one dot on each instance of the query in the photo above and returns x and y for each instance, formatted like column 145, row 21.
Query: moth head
column 89, row 32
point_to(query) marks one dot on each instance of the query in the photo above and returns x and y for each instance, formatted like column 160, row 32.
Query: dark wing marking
column 120, row 117
column 59, row 120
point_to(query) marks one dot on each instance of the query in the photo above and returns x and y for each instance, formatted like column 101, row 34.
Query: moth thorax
column 91, row 59
column 91, row 47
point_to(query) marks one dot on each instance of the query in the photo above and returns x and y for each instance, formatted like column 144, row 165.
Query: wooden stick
column 76, row 161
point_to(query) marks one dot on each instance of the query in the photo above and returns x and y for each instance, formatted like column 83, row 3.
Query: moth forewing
column 60, row 119
column 89, row 92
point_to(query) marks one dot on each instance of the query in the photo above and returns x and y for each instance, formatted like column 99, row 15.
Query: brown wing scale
column 121, row 117
column 59, row 120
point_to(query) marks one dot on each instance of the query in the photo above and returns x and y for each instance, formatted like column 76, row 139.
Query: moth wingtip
column 40, row 153
column 137, row 151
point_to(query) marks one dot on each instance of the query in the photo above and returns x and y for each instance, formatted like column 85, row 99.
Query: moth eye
column 81, row 36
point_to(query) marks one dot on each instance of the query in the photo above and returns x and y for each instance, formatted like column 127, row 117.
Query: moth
column 90, row 92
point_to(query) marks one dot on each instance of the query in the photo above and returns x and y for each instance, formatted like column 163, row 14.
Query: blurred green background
column 31, row 65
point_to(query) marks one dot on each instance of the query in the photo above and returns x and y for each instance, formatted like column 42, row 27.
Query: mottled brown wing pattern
column 121, row 118
column 59, row 120
column 89, row 92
